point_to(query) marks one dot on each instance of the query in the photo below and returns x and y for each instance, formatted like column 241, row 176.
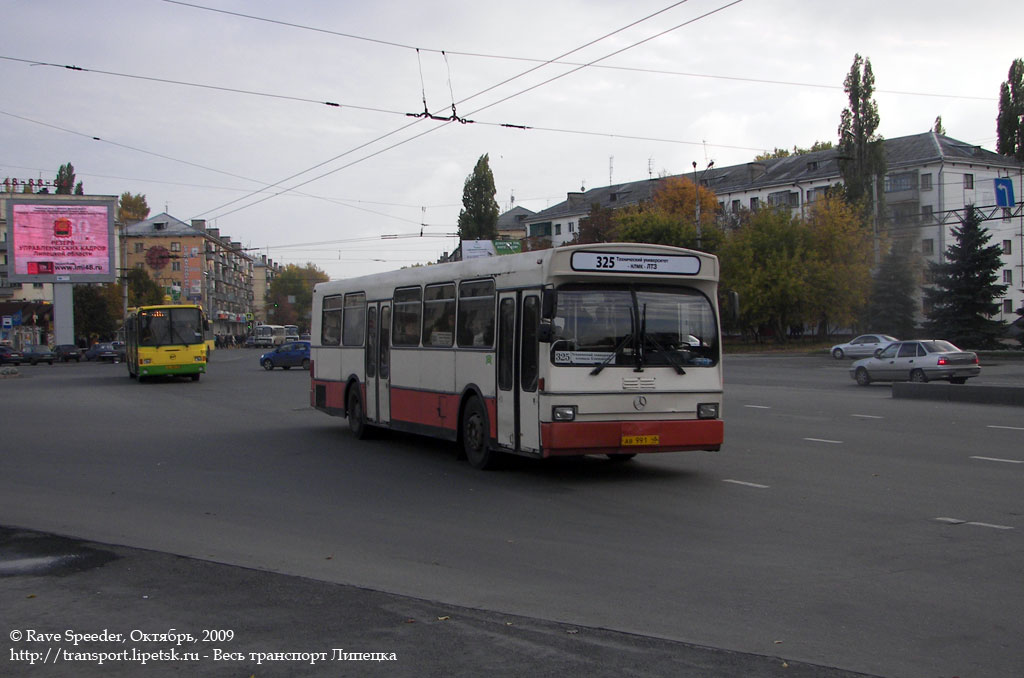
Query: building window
column 175, row 246
column 969, row 181
column 572, row 226
column 558, row 229
column 735, row 206
column 927, row 247
column 1007, row 306
column 926, row 182
column 175, row 265
column 1007, row 247
column 753, row 203
column 899, row 182
column 927, row 214
column 1008, row 276
column 140, row 247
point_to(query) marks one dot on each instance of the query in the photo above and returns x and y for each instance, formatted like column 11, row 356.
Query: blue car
column 287, row 355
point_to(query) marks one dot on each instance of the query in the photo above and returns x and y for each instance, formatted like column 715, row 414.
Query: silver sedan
column 921, row 361
column 862, row 346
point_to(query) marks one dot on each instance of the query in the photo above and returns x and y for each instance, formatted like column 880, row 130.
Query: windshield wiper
column 611, row 356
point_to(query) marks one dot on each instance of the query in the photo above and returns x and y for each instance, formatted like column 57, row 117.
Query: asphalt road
column 837, row 528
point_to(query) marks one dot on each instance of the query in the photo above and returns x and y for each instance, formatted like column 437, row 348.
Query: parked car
column 863, row 346
column 8, row 356
column 112, row 351
column 38, row 353
column 921, row 361
column 287, row 355
column 67, row 352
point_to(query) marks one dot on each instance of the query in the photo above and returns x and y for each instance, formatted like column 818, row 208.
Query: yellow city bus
column 166, row 340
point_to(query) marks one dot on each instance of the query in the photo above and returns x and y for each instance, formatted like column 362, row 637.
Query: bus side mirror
column 546, row 333
column 547, row 310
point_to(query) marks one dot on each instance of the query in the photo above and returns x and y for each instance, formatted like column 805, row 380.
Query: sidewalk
column 188, row 617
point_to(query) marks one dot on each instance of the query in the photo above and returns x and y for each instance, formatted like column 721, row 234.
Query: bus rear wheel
column 356, row 416
column 474, row 437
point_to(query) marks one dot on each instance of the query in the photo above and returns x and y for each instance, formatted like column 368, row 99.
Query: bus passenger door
column 518, row 414
column 384, row 365
column 370, row 406
column 378, row 363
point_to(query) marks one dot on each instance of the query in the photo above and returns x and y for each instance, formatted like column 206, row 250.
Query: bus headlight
column 563, row 413
column 707, row 410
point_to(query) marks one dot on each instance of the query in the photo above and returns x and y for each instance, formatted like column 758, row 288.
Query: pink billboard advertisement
column 61, row 241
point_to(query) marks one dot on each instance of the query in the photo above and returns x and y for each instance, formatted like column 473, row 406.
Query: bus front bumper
column 633, row 437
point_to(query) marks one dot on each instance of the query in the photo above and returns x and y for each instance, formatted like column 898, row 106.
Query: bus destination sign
column 618, row 262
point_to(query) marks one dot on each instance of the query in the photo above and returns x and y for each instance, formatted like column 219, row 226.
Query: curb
column 960, row 393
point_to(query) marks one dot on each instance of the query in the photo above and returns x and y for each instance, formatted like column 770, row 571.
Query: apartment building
column 930, row 179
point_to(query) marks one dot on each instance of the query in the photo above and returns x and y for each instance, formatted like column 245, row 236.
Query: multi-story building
column 194, row 264
column 930, row 179
column 264, row 272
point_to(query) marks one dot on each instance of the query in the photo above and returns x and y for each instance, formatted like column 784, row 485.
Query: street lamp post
column 696, row 196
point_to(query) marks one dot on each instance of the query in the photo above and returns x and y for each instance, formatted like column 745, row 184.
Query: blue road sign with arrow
column 1004, row 192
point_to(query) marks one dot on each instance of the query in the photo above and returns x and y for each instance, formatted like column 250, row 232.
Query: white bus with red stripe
column 590, row 349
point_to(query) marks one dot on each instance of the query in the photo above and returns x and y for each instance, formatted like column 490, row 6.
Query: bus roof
column 576, row 262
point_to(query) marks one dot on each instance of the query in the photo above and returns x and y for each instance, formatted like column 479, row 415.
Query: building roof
column 816, row 166
column 161, row 224
column 513, row 218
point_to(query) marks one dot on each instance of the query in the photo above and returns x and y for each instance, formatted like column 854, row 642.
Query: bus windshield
column 170, row 326
column 634, row 327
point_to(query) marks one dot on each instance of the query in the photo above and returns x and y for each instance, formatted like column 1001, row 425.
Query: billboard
column 53, row 240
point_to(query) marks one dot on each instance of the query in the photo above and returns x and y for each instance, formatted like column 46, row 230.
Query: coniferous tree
column 861, row 149
column 1010, row 121
column 478, row 219
column 892, row 305
column 965, row 295
column 65, row 181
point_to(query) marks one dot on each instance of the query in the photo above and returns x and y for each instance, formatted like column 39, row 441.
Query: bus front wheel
column 474, row 437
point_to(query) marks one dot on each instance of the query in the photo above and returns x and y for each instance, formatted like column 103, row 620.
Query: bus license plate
column 639, row 441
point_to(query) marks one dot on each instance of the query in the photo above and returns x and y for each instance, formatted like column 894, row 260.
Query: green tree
column 65, row 181
column 598, row 226
column 893, row 302
column 142, row 289
column 861, row 149
column 964, row 299
column 133, row 208
column 291, row 295
column 1010, row 121
column 765, row 262
column 478, row 219
column 96, row 317
column 783, row 153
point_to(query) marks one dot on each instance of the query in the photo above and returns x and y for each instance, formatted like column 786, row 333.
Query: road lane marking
column 866, row 416
column 758, row 407
column 957, row 521
column 822, row 440
column 1005, row 461
column 1008, row 428
column 746, row 484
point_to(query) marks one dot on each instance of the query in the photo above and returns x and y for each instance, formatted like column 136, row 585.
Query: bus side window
column 371, row 343
column 330, row 322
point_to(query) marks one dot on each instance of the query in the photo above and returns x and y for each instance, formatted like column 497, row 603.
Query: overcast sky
column 697, row 81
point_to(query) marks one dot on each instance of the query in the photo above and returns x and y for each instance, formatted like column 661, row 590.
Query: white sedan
column 863, row 346
column 921, row 361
